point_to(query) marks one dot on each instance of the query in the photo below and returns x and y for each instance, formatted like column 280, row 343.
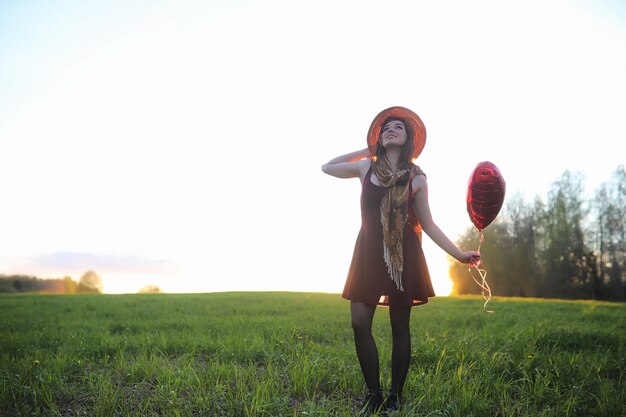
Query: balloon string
column 483, row 274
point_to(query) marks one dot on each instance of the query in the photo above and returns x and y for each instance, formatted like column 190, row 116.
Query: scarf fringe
column 394, row 273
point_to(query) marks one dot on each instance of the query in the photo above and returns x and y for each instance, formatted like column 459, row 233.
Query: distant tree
column 151, row 289
column 551, row 249
column 70, row 285
column 90, row 282
column 28, row 284
column 7, row 284
column 610, row 222
column 524, row 269
column 564, row 251
column 52, row 286
column 495, row 248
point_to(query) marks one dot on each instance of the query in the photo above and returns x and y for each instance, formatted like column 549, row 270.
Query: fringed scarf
column 394, row 212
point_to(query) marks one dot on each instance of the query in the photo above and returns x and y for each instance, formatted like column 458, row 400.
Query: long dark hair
column 407, row 149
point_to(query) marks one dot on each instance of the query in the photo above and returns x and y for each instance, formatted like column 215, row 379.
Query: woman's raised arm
column 350, row 165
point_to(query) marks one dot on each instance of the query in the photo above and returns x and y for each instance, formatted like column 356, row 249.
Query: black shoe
column 372, row 403
column 392, row 402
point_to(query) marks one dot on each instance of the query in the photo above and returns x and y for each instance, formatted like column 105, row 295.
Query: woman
column 388, row 265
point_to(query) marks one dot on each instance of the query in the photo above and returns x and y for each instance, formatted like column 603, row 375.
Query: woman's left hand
column 470, row 257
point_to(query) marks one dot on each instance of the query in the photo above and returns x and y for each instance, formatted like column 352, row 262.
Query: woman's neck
column 393, row 156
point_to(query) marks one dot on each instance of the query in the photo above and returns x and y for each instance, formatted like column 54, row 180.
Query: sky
column 179, row 144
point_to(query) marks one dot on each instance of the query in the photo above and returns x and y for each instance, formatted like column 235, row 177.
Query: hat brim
column 419, row 137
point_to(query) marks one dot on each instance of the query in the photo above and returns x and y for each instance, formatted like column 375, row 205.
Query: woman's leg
column 401, row 350
column 366, row 351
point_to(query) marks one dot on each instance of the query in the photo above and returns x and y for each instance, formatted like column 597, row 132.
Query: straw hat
column 409, row 117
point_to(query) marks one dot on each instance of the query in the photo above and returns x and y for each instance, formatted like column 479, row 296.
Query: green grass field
column 292, row 354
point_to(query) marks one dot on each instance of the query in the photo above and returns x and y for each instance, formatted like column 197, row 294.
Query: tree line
column 563, row 247
column 89, row 283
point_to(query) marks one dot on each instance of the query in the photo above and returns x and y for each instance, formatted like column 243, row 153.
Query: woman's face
column 393, row 133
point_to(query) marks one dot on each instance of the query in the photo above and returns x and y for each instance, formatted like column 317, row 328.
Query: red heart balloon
column 485, row 194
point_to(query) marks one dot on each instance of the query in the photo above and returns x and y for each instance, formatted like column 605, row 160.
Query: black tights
column 362, row 316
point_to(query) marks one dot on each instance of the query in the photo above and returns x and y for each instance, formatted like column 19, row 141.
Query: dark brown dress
column 368, row 280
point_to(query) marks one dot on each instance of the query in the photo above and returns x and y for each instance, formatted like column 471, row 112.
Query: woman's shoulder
column 419, row 179
column 417, row 171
